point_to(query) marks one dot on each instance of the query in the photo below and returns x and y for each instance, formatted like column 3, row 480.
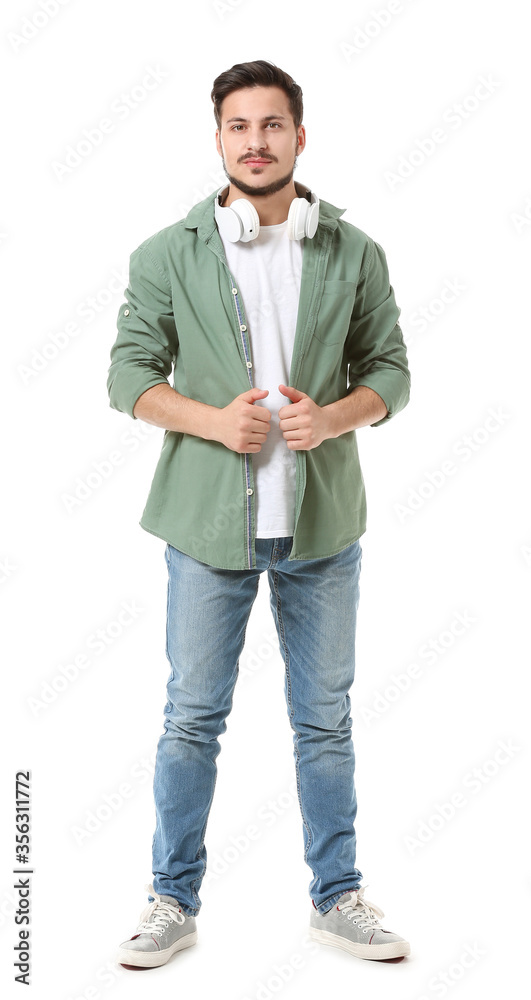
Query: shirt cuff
column 127, row 388
column 392, row 386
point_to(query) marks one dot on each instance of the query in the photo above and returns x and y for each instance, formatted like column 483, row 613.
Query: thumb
column 294, row 394
column 253, row 394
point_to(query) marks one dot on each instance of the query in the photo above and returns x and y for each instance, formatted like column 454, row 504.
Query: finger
column 260, row 413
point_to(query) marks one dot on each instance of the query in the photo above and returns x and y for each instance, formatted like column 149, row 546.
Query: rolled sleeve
column 375, row 346
column 146, row 346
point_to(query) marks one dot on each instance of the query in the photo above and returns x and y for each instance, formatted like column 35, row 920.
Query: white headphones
column 240, row 220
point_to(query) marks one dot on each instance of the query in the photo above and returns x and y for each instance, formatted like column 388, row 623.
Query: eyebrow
column 267, row 118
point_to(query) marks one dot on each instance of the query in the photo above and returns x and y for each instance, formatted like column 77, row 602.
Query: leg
column 207, row 615
column 314, row 604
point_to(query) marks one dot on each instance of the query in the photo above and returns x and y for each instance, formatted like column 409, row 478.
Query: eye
column 235, row 128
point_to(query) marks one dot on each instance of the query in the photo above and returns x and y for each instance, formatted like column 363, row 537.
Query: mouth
column 257, row 163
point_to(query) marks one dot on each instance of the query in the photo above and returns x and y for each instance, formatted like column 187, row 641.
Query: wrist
column 209, row 423
column 332, row 420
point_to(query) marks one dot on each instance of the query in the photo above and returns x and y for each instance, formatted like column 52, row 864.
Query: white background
column 462, row 546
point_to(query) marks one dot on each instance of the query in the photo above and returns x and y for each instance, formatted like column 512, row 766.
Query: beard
column 266, row 189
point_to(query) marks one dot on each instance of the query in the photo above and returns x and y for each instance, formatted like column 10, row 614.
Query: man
column 280, row 326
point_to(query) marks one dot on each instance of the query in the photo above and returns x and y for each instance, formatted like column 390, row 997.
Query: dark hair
column 256, row 74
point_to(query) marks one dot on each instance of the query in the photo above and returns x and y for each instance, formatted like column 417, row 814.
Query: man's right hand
column 241, row 426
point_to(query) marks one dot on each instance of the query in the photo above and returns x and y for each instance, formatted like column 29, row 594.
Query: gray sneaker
column 352, row 924
column 163, row 930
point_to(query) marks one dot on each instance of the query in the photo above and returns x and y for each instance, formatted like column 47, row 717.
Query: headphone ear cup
column 250, row 220
column 229, row 223
column 312, row 220
column 298, row 211
column 237, row 222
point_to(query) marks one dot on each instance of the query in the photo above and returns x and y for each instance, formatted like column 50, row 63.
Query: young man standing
column 281, row 328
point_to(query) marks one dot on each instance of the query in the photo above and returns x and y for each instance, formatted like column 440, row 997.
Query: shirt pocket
column 335, row 311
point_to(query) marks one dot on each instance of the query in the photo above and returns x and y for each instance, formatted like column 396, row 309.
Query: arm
column 379, row 376
column 240, row 426
column 360, row 407
column 142, row 359
column 143, row 353
column 306, row 425
column 375, row 346
column 165, row 407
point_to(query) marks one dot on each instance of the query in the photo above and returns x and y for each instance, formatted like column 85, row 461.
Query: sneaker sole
column 152, row 959
column 395, row 949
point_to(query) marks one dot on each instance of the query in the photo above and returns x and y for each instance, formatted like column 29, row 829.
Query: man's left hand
column 303, row 423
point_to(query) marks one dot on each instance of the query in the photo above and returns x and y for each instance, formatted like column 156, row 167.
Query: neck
column 272, row 209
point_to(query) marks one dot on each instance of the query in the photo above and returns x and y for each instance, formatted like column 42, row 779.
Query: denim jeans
column 314, row 604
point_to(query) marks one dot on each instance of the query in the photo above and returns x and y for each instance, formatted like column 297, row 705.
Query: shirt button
column 249, row 364
column 126, row 312
column 243, row 327
column 249, row 492
column 234, row 291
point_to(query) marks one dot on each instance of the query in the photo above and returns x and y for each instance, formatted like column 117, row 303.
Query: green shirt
column 183, row 312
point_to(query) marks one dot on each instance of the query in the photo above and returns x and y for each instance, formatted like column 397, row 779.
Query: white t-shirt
column 267, row 272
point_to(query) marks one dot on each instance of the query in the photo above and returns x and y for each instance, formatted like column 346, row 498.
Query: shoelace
column 157, row 916
column 364, row 914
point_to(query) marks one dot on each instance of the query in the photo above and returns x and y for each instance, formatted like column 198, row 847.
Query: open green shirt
column 183, row 312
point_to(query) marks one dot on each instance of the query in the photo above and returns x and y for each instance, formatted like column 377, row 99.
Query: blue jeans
column 314, row 604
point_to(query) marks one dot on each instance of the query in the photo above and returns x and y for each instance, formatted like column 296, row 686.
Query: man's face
column 265, row 131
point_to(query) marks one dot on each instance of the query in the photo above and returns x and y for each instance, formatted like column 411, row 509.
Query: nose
column 256, row 141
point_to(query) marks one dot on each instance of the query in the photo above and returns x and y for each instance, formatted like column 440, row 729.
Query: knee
column 200, row 727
